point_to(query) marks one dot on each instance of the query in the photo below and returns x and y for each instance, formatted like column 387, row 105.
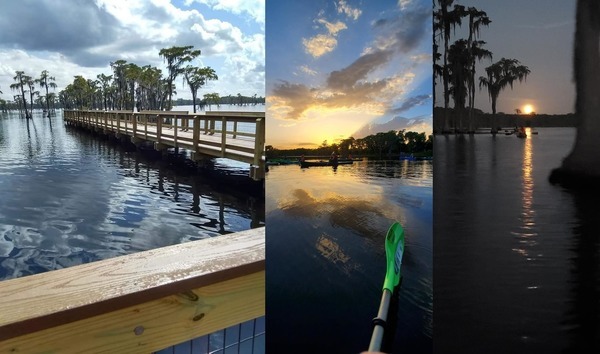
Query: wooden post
column 196, row 134
column 235, row 122
column 158, row 128
column 259, row 141
column 175, row 131
column 134, row 123
column 223, row 136
column 146, row 126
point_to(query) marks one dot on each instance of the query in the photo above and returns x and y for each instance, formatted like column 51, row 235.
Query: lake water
column 223, row 107
column 326, row 259
column 67, row 197
column 517, row 261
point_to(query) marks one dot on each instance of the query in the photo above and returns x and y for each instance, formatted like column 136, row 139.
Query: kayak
column 304, row 164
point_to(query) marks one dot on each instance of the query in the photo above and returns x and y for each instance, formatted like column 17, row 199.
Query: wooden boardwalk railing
column 137, row 303
column 238, row 136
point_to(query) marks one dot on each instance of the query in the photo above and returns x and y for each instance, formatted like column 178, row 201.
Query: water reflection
column 325, row 245
column 526, row 234
column 68, row 197
column 364, row 216
column 517, row 259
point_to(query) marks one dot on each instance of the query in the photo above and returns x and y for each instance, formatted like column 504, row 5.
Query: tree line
column 127, row 86
column 391, row 143
column 455, row 64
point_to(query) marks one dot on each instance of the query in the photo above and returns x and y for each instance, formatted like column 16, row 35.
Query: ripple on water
column 67, row 198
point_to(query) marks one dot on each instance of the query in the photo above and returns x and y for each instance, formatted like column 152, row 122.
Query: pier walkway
column 238, row 136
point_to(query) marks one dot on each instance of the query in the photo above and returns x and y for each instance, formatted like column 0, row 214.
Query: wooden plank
column 38, row 302
column 156, row 324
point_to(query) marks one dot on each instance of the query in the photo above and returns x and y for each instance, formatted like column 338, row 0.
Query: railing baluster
column 158, row 128
column 223, row 136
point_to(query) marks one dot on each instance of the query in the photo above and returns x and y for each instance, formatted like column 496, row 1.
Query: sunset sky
column 335, row 66
column 70, row 38
column 538, row 33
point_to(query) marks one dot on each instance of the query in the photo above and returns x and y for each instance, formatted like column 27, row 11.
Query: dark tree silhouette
column 500, row 75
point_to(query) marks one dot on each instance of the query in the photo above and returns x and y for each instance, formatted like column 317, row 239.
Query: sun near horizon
column 528, row 109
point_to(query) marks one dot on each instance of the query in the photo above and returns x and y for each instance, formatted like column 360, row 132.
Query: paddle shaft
column 378, row 331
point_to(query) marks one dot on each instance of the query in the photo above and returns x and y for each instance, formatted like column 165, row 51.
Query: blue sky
column 335, row 66
column 83, row 37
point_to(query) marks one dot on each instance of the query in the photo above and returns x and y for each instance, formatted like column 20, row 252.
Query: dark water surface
column 67, row 197
column 326, row 258
column 516, row 262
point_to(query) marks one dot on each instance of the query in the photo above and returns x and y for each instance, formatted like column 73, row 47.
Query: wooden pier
column 137, row 303
column 238, row 136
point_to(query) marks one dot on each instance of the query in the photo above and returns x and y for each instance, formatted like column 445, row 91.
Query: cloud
column 403, row 32
column 319, row 44
column 410, row 103
column 89, row 34
column 291, row 100
column 344, row 8
column 358, row 70
column 333, row 28
column 308, row 70
column 325, row 42
column 403, row 4
column 53, row 30
column 417, row 124
column 253, row 8
column 422, row 58
column 354, row 86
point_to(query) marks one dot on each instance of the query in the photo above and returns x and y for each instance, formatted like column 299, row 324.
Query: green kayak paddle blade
column 394, row 250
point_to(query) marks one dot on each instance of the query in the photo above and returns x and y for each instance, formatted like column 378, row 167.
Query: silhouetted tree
column 500, row 75
column 175, row 58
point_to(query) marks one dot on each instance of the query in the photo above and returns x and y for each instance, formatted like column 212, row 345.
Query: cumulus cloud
column 93, row 33
column 319, row 44
column 325, row 42
column 344, row 8
column 332, row 28
column 253, row 8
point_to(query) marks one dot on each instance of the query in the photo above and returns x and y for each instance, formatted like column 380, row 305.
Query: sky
column 334, row 66
column 538, row 33
column 83, row 37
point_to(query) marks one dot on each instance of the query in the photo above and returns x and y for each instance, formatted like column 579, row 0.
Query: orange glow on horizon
column 528, row 109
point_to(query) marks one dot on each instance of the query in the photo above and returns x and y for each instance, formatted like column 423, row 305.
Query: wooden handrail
column 206, row 138
column 137, row 303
